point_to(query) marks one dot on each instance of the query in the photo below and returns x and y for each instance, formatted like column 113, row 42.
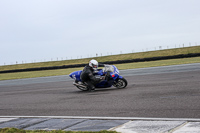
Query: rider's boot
column 91, row 89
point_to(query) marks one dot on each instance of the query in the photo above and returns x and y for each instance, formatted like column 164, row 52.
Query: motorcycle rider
column 87, row 75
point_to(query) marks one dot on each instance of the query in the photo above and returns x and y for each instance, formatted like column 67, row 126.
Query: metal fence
column 161, row 47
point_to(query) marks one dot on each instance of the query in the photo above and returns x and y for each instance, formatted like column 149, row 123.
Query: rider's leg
column 90, row 85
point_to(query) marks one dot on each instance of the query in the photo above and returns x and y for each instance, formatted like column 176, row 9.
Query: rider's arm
column 101, row 65
column 93, row 78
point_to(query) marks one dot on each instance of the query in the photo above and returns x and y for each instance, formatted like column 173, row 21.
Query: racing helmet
column 94, row 64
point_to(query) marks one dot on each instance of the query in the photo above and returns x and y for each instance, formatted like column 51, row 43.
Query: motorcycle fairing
column 76, row 75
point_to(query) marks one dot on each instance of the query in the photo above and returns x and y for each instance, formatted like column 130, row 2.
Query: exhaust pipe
column 76, row 84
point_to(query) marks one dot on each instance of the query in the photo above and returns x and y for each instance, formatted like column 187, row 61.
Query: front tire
column 121, row 83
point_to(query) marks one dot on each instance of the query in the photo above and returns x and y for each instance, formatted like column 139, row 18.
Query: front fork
column 115, row 83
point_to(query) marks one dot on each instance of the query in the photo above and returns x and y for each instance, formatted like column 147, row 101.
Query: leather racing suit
column 88, row 77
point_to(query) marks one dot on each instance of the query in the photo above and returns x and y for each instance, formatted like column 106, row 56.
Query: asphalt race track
column 159, row 92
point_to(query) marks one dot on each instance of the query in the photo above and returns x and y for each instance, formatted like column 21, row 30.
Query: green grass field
column 45, row 73
column 169, row 52
column 14, row 130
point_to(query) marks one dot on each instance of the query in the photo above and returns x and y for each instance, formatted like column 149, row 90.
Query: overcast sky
column 42, row 30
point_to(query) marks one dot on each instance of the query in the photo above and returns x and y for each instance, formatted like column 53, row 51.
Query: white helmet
column 94, row 64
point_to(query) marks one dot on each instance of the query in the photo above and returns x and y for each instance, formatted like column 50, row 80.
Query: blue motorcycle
column 110, row 74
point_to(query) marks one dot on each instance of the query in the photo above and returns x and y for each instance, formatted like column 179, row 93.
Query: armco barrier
column 108, row 62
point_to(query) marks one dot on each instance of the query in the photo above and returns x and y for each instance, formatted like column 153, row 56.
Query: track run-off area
column 156, row 92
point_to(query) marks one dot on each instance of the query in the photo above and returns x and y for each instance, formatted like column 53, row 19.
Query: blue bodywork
column 114, row 76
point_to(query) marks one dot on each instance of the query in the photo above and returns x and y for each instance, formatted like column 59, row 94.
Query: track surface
column 167, row 92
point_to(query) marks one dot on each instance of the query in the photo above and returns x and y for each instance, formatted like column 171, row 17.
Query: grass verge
column 14, row 130
column 168, row 52
column 45, row 73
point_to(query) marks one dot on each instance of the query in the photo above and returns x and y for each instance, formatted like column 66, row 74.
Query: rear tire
column 81, row 88
column 121, row 83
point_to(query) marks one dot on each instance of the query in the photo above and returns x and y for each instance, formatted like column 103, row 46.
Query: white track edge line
column 108, row 118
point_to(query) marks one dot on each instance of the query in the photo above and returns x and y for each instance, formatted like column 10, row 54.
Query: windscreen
column 108, row 68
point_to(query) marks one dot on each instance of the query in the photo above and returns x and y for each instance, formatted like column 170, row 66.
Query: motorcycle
column 110, row 74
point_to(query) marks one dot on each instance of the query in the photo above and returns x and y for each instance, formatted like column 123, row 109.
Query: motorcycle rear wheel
column 82, row 88
column 121, row 83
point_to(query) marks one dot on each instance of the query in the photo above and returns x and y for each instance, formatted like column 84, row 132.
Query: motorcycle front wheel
column 121, row 83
